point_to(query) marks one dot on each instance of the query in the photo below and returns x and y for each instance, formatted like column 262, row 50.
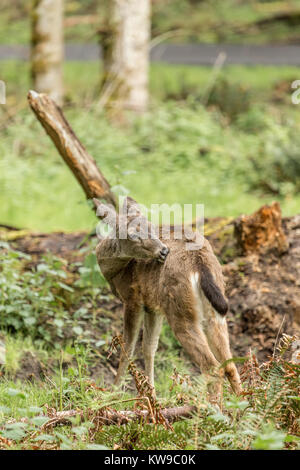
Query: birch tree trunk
column 47, row 49
column 126, row 55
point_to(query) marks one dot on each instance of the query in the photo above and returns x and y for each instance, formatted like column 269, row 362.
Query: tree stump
column 261, row 231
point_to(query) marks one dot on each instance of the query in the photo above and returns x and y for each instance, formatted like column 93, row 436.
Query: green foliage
column 264, row 418
column 187, row 153
column 140, row 436
column 35, row 300
column 227, row 21
column 276, row 166
column 230, row 21
column 254, row 121
column 232, row 99
column 90, row 275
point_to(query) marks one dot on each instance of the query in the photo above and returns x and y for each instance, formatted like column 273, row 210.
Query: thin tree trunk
column 47, row 49
column 126, row 55
column 74, row 154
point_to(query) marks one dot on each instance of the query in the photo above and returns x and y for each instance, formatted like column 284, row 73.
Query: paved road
column 193, row 54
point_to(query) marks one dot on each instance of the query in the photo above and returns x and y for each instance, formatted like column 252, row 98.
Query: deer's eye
column 134, row 237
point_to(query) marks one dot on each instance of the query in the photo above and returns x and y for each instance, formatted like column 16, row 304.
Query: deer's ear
column 131, row 207
column 106, row 213
column 96, row 202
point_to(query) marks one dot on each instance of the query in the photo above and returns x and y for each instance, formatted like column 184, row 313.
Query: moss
column 212, row 227
column 229, row 253
column 10, row 235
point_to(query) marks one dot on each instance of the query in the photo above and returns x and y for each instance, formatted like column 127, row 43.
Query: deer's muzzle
column 163, row 254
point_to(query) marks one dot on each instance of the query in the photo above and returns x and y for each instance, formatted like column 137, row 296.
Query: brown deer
column 156, row 277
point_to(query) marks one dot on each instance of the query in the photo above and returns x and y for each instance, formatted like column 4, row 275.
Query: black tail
column 212, row 292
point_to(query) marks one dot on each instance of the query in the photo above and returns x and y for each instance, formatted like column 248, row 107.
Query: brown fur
column 183, row 288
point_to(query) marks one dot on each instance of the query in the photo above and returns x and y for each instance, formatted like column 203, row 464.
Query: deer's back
column 160, row 285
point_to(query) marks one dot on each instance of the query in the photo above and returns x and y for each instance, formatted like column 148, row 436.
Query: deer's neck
column 110, row 260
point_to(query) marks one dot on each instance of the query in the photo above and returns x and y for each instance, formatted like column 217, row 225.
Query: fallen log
column 113, row 417
column 80, row 162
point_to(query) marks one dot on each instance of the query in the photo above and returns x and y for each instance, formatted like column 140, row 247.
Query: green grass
column 264, row 419
column 177, row 152
column 43, row 323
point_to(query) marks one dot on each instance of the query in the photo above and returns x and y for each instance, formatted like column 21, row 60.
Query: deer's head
column 137, row 237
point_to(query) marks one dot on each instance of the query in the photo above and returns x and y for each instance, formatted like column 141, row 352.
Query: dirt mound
column 31, row 368
column 263, row 290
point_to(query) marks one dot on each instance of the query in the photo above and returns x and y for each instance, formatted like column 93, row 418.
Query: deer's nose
column 163, row 253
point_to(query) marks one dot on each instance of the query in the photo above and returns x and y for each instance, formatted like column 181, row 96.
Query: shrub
column 232, row 99
column 276, row 166
column 36, row 300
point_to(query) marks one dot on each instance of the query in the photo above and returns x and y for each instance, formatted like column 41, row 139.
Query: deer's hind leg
column 152, row 327
column 218, row 339
column 189, row 333
column 132, row 323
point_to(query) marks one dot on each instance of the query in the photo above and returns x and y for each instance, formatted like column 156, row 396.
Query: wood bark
column 47, row 49
column 80, row 162
column 126, row 55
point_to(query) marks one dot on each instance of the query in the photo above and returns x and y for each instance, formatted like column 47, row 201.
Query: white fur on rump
column 200, row 309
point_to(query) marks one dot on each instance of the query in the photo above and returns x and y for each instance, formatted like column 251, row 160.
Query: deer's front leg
column 132, row 324
column 218, row 339
column 152, row 326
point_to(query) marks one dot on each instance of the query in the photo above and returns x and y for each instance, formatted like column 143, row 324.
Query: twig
column 164, row 36
column 220, row 60
column 278, row 333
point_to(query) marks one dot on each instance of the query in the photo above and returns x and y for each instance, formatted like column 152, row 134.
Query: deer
column 157, row 278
